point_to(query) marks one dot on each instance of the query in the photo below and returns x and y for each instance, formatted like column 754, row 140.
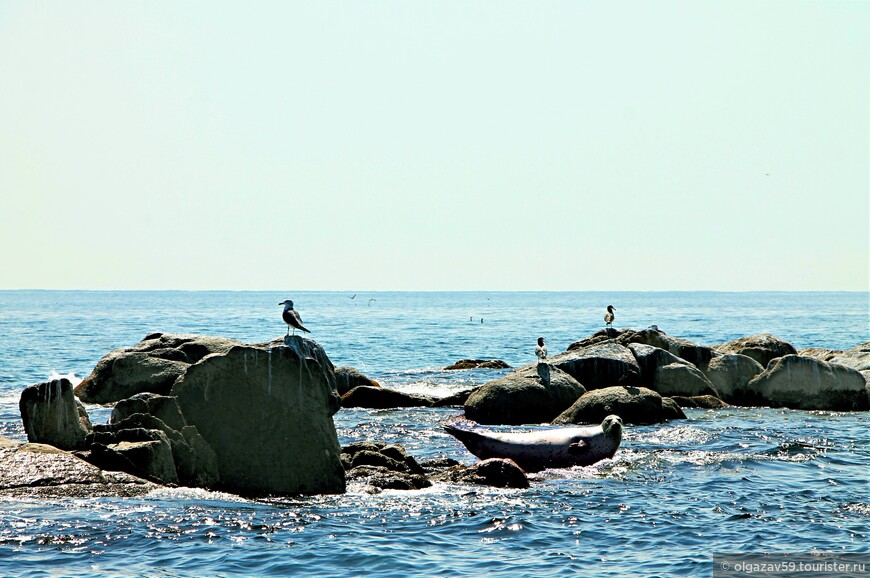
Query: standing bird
column 609, row 316
column 541, row 350
column 291, row 317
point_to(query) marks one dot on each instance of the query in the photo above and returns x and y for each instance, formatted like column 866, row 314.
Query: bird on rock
column 609, row 316
column 541, row 349
column 291, row 317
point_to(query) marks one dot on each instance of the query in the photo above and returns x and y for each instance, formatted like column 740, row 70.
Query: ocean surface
column 736, row 480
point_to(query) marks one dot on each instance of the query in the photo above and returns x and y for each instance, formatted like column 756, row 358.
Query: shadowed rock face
column 152, row 365
column 497, row 472
column 805, row 383
column 43, row 471
column 51, row 415
column 522, row 397
column 347, row 378
column 267, row 413
column 383, row 398
column 602, row 365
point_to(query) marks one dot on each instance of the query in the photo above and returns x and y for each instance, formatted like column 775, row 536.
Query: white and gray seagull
column 541, row 349
column 291, row 317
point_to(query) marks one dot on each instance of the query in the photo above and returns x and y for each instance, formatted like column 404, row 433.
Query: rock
column 635, row 405
column 699, row 401
column 152, row 365
column 347, row 378
column 383, row 398
column 691, row 352
column 478, row 364
column 857, row 358
column 53, row 416
column 664, row 372
column 603, row 365
column 267, row 413
column 455, row 399
column 498, row 472
column 800, row 382
column 521, row 398
column 163, row 407
column 31, row 471
column 730, row 373
column 387, row 467
column 682, row 379
column 145, row 453
column 762, row 347
column 195, row 461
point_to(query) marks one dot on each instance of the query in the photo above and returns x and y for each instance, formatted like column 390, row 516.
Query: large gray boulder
column 806, row 383
column 857, row 358
column 523, row 397
column 762, row 347
column 163, row 407
column 497, row 472
column 152, row 365
column 32, row 471
column 600, row 365
column 267, row 413
column 690, row 351
column 664, row 372
column 730, row 374
column 635, row 405
column 52, row 415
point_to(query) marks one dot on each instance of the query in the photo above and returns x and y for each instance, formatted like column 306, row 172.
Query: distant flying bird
column 609, row 316
column 291, row 317
column 354, row 296
column 370, row 301
column 541, row 349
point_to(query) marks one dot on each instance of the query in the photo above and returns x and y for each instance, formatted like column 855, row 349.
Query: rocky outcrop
column 267, row 413
column 456, row 399
column 32, row 471
column 347, row 378
column 800, row 382
column 700, row 402
column 730, row 374
column 762, row 347
column 694, row 353
column 635, row 405
column 191, row 461
column 668, row 374
column 602, row 365
column 857, row 358
column 53, row 416
column 385, row 467
column 383, row 398
column 163, row 407
column 152, row 365
column 497, row 472
column 478, row 364
column 522, row 397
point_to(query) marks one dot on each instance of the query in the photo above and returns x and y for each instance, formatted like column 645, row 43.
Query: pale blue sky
column 435, row 145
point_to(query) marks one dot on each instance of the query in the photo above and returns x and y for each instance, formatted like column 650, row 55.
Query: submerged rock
column 386, row 467
column 522, row 398
column 478, row 364
column 41, row 471
column 762, row 347
column 152, row 365
column 806, row 383
column 267, row 413
column 383, row 398
column 52, row 415
column 700, row 402
column 497, row 472
column 635, row 405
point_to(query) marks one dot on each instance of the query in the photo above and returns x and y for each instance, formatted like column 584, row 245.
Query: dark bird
column 609, row 316
column 291, row 317
column 541, row 349
column 354, row 296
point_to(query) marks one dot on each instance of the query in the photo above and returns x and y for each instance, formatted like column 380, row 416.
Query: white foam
column 69, row 376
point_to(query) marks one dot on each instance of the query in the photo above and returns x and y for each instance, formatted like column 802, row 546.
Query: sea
column 674, row 499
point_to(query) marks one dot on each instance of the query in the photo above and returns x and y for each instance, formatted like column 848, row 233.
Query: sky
column 456, row 145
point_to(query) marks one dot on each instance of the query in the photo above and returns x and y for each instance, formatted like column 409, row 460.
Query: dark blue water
column 733, row 480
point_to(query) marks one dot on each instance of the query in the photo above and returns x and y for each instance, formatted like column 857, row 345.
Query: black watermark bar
column 792, row 565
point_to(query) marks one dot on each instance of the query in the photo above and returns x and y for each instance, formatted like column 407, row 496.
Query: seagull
column 354, row 296
column 541, row 349
column 291, row 317
column 609, row 316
